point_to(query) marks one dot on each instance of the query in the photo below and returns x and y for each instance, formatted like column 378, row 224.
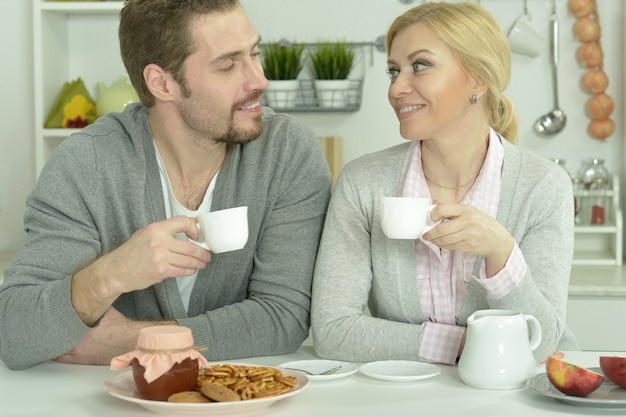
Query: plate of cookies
column 225, row 389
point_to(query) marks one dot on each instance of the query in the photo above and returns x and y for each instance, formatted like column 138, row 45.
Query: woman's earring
column 474, row 99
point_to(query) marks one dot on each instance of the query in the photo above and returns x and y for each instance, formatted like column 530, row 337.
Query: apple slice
column 572, row 379
column 614, row 368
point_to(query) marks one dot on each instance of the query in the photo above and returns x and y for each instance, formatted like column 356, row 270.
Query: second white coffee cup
column 223, row 230
column 405, row 217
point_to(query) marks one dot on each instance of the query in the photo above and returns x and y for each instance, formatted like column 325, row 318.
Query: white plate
column 399, row 371
column 123, row 387
column 608, row 395
column 318, row 366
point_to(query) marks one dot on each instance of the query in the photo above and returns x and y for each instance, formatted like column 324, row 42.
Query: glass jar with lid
column 596, row 180
column 599, row 201
column 591, row 169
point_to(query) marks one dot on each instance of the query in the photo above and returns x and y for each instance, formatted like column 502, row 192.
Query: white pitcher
column 498, row 353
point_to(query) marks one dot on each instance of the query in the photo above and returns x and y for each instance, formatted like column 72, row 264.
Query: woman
column 506, row 241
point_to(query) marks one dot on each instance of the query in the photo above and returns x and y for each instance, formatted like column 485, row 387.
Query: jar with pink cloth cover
column 164, row 362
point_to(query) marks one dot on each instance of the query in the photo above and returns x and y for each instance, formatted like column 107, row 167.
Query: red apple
column 614, row 368
column 571, row 379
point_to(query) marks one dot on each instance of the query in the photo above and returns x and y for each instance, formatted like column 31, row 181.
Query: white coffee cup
column 523, row 39
column 405, row 217
column 223, row 230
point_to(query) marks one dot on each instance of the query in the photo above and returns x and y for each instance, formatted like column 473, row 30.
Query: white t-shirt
column 174, row 208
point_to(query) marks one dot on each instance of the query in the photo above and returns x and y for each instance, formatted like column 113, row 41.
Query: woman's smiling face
column 430, row 92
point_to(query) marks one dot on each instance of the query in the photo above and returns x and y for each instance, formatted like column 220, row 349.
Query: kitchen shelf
column 71, row 40
column 600, row 245
column 307, row 99
column 59, row 132
column 81, row 7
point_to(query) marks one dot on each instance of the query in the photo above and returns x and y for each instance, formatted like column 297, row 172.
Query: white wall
column 372, row 128
column 16, row 115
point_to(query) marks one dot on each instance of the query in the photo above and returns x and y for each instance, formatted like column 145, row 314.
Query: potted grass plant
column 331, row 64
column 282, row 63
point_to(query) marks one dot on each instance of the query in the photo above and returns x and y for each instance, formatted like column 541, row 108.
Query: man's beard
column 233, row 135
column 237, row 136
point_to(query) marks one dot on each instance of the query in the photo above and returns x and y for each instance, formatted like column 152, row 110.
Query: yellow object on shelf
column 73, row 108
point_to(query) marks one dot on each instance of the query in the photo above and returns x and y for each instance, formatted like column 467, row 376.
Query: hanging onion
column 580, row 8
column 601, row 128
column 595, row 81
column 600, row 106
column 590, row 55
column 587, row 29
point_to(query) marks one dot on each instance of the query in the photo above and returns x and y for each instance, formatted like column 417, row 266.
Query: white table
column 60, row 390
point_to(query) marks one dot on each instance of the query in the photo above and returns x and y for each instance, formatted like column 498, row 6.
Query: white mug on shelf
column 523, row 39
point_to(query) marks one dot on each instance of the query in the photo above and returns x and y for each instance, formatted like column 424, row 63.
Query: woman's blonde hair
column 481, row 47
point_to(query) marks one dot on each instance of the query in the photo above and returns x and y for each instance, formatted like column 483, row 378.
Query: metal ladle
column 553, row 122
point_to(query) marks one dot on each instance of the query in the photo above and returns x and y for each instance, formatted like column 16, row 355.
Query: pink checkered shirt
column 443, row 276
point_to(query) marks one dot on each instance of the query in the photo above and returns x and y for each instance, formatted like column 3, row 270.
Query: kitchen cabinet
column 597, row 321
column 600, row 244
column 596, row 306
column 70, row 40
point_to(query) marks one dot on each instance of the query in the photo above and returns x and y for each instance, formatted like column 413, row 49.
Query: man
column 106, row 253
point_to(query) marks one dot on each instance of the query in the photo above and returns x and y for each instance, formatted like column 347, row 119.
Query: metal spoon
column 553, row 122
column 328, row 372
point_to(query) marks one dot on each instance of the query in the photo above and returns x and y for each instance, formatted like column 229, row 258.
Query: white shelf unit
column 600, row 244
column 79, row 39
column 71, row 40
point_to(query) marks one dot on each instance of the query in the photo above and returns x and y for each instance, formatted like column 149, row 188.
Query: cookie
column 188, row 397
column 218, row 392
